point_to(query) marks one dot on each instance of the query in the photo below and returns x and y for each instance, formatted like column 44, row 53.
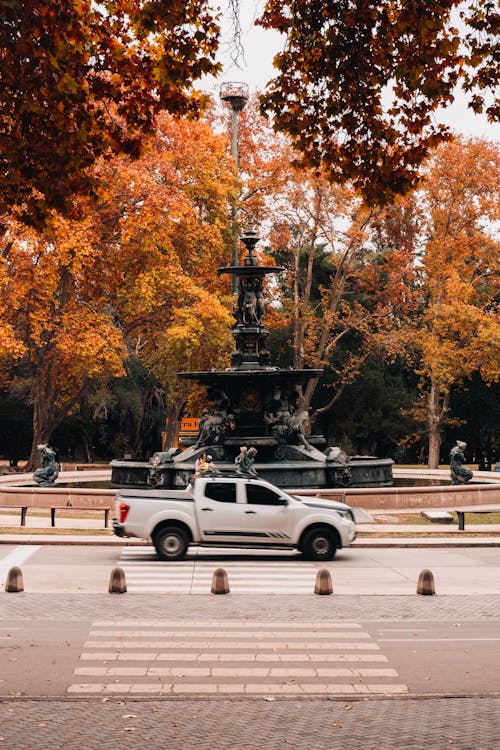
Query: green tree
column 124, row 415
column 477, row 408
column 373, row 417
column 16, row 420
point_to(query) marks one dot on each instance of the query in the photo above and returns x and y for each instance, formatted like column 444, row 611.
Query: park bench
column 461, row 515
column 442, row 516
column 53, row 508
column 56, row 499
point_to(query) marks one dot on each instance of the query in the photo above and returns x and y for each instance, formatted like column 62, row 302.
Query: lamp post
column 236, row 95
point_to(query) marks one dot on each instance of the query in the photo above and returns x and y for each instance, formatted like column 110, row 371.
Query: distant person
column 210, row 466
column 203, row 464
column 241, row 456
column 200, row 465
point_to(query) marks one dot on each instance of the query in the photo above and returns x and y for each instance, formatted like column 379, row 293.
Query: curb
column 69, row 542
column 366, row 543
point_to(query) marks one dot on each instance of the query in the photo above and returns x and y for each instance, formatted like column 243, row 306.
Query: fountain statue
column 48, row 473
column 245, row 461
column 460, row 474
column 254, row 404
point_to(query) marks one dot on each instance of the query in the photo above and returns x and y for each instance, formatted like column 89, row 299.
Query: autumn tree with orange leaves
column 56, row 296
column 168, row 213
column 135, row 274
column 358, row 83
column 459, row 330
column 80, row 79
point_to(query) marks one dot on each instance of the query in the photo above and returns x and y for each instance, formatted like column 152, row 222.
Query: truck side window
column 259, row 495
column 223, row 492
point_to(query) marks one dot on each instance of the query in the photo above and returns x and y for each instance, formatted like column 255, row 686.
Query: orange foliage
column 460, row 328
column 137, row 272
column 461, row 331
column 335, row 284
column 358, row 83
column 81, row 79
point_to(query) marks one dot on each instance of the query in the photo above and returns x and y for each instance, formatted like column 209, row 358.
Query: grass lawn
column 66, row 513
column 28, row 531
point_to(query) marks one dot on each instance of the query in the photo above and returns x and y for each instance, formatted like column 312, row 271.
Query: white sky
column 256, row 69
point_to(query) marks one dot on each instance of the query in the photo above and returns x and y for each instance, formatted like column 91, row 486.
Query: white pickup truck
column 233, row 511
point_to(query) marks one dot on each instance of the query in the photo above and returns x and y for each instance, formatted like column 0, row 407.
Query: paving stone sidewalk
column 413, row 724
column 238, row 606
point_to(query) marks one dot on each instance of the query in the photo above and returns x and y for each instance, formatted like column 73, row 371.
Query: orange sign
column 190, row 424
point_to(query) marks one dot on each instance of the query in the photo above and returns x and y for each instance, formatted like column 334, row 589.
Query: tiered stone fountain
column 255, row 404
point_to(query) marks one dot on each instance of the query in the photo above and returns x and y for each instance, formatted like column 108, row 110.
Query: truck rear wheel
column 319, row 544
column 171, row 543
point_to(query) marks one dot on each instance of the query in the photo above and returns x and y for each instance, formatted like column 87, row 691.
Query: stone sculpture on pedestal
column 47, row 475
column 459, row 474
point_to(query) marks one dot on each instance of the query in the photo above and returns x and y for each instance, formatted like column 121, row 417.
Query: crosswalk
column 231, row 657
column 144, row 573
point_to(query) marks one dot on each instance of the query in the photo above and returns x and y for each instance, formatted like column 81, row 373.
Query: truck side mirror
column 282, row 501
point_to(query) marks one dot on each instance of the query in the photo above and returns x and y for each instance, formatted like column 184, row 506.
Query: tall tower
column 236, row 95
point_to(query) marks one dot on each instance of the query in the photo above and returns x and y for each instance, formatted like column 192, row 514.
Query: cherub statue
column 215, row 420
column 245, row 461
column 260, row 307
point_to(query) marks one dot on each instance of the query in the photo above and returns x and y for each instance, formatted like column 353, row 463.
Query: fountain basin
column 13, row 494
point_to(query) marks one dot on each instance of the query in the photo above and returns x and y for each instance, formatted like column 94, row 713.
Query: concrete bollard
column 425, row 583
column 324, row 583
column 117, row 582
column 14, row 582
column 220, row 583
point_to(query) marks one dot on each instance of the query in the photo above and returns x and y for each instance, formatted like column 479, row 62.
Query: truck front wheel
column 171, row 543
column 319, row 544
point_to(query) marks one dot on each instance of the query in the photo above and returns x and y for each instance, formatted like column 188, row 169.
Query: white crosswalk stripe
column 144, row 573
column 221, row 658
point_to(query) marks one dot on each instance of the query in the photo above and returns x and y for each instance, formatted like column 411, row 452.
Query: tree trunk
column 173, row 417
column 437, row 409
column 43, row 427
column 87, row 449
column 434, row 447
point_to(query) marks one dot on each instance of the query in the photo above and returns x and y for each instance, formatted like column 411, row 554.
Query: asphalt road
column 252, row 659
column 413, row 645
column 355, row 571
column 271, row 665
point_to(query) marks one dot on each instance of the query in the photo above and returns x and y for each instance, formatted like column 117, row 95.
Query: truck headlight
column 347, row 513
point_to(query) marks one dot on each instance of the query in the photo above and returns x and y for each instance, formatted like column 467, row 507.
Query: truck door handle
column 251, row 512
column 210, row 509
